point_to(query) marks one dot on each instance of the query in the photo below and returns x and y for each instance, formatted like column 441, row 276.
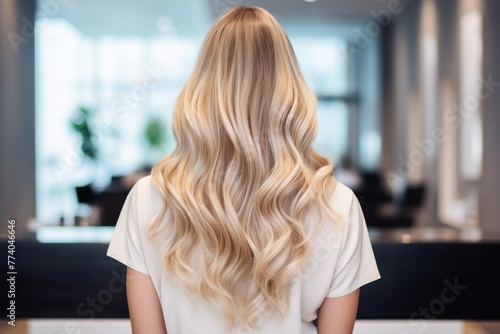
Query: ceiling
column 194, row 17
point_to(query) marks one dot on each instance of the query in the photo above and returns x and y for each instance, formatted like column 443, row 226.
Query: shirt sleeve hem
column 127, row 262
column 354, row 288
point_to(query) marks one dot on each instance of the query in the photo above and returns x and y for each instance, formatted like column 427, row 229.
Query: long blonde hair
column 244, row 173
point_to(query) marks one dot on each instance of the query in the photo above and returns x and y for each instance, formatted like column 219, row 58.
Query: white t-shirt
column 341, row 260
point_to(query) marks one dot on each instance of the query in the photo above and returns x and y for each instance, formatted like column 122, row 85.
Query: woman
column 242, row 228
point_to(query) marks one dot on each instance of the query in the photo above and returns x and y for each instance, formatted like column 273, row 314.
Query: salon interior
column 408, row 112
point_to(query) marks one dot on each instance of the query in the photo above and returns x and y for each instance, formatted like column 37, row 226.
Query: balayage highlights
column 244, row 174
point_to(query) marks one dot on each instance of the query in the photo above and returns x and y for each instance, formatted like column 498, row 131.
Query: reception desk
column 422, row 278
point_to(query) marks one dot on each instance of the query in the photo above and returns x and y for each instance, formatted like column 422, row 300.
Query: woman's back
column 225, row 218
column 341, row 260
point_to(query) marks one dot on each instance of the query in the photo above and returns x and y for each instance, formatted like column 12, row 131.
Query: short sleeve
column 125, row 245
column 356, row 265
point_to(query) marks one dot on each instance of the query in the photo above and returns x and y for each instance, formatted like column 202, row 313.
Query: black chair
column 372, row 195
column 406, row 208
column 413, row 197
column 111, row 203
column 85, row 194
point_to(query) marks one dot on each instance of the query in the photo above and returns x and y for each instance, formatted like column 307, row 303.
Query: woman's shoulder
column 342, row 196
column 144, row 181
column 147, row 196
column 145, row 187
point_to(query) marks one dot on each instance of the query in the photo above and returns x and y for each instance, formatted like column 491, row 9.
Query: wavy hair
column 243, row 174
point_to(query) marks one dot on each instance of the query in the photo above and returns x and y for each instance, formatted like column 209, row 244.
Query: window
column 122, row 82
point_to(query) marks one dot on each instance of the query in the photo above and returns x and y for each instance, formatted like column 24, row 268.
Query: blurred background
column 408, row 113
column 406, row 102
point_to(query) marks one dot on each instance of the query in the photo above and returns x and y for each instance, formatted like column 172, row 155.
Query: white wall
column 404, row 112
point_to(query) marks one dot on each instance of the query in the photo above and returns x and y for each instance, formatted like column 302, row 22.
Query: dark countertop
column 426, row 274
column 440, row 233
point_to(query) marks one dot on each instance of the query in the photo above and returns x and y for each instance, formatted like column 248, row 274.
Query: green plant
column 155, row 133
column 81, row 125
